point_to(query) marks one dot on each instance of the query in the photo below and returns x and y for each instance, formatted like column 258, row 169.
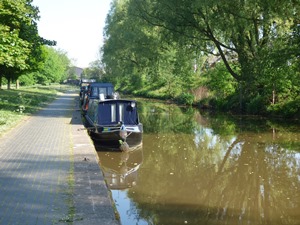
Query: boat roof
column 101, row 85
column 88, row 80
column 117, row 100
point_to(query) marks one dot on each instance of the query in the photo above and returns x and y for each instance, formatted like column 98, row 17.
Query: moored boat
column 84, row 83
column 114, row 124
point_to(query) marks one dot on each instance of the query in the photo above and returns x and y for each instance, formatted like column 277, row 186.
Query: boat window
column 110, row 90
column 121, row 112
column 102, row 91
column 113, row 113
column 92, row 110
column 94, row 92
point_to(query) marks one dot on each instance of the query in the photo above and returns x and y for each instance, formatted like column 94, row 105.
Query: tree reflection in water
column 216, row 170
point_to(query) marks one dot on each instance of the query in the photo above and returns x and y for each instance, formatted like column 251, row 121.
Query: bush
column 256, row 105
column 27, row 80
column 289, row 109
column 232, row 103
column 186, row 99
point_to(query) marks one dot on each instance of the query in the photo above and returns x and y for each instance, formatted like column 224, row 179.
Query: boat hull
column 114, row 141
column 110, row 142
column 112, row 138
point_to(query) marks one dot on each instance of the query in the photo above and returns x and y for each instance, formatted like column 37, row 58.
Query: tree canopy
column 171, row 46
column 94, row 71
column 53, row 68
column 20, row 44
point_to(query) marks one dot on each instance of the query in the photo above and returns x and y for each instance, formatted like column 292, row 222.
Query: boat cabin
column 113, row 112
column 100, row 90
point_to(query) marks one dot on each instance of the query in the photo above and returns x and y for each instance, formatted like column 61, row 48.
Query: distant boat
column 84, row 87
column 114, row 123
column 96, row 92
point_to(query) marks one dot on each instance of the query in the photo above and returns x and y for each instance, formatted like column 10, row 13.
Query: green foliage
column 94, row 71
column 219, row 81
column 55, row 66
column 27, row 80
column 53, row 69
column 168, row 48
column 288, row 109
column 186, row 98
column 13, row 55
column 139, row 59
column 256, row 105
column 20, row 44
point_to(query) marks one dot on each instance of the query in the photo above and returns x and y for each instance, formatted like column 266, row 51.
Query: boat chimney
column 101, row 97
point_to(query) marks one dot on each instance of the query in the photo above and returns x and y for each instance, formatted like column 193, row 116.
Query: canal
column 195, row 168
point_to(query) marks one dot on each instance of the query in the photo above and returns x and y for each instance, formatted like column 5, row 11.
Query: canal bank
column 92, row 200
column 49, row 171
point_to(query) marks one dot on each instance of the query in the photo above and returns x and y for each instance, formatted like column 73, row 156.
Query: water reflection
column 214, row 170
column 120, row 169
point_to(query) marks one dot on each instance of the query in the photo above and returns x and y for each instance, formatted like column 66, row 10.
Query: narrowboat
column 114, row 124
column 84, row 87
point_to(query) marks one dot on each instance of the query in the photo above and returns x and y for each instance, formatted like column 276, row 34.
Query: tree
column 94, row 71
column 14, row 52
column 138, row 58
column 53, row 69
column 20, row 43
column 245, row 34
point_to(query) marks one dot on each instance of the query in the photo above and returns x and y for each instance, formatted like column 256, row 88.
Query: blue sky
column 76, row 25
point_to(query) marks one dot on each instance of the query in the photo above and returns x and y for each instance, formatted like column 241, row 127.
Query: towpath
column 49, row 171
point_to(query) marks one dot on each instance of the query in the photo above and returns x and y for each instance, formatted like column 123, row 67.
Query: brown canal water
column 203, row 169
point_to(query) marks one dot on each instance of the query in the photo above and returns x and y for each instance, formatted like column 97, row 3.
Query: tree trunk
column 0, row 82
column 8, row 83
column 273, row 95
column 17, row 84
column 241, row 96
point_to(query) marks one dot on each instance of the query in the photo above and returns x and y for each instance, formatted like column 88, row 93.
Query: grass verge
column 16, row 104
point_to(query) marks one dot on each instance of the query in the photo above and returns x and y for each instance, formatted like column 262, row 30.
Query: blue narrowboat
column 114, row 123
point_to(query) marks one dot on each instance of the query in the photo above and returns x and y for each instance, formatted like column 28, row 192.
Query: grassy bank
column 15, row 104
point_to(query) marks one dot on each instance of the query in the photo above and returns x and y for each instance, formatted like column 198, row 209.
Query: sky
column 76, row 25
